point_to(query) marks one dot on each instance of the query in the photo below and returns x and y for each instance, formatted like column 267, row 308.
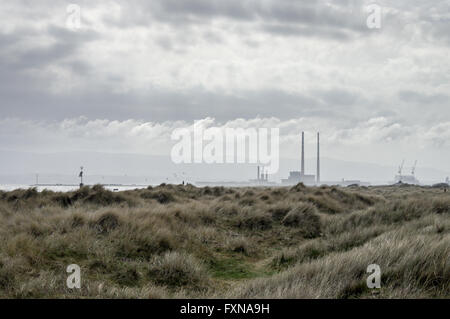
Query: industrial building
column 296, row 177
column 261, row 176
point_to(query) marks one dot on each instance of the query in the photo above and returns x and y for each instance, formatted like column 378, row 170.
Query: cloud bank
column 377, row 140
column 138, row 69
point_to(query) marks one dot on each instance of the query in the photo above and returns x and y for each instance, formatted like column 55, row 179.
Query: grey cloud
column 317, row 14
column 338, row 97
column 161, row 105
column 441, row 30
column 24, row 93
column 66, row 44
column 297, row 31
column 28, row 97
column 213, row 37
column 208, row 8
column 288, row 14
column 25, row 96
column 423, row 98
column 165, row 43
column 335, row 19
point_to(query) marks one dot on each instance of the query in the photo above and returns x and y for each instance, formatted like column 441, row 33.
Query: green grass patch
column 234, row 268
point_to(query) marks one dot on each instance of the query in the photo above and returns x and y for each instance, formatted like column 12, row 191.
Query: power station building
column 296, row 177
column 262, row 178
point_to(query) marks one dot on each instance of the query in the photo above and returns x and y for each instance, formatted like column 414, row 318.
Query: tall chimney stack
column 303, row 153
column 258, row 176
column 318, row 158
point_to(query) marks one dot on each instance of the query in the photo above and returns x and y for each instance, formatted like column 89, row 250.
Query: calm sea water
column 62, row 188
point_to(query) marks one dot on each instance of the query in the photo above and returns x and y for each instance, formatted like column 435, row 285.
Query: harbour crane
column 400, row 169
column 413, row 170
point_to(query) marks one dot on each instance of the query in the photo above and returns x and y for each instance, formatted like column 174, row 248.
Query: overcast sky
column 136, row 70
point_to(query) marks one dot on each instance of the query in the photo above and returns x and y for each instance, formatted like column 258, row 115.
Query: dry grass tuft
column 175, row 269
column 305, row 218
column 106, row 223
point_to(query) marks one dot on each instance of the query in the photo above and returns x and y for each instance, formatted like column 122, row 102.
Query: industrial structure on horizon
column 296, row 177
column 407, row 179
column 301, row 176
column 261, row 177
